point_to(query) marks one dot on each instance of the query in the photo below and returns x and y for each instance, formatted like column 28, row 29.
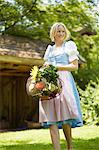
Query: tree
column 33, row 19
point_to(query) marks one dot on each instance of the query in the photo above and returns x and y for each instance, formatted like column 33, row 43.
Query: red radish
column 40, row 85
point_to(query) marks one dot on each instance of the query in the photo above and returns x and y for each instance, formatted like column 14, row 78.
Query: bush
column 90, row 103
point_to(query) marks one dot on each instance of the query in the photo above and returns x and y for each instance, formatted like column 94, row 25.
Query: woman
column 63, row 110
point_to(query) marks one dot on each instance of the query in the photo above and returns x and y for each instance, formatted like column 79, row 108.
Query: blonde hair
column 54, row 29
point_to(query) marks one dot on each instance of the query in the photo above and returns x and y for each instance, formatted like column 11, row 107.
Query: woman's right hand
column 46, row 64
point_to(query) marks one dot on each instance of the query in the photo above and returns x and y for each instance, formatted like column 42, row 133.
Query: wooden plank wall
column 15, row 105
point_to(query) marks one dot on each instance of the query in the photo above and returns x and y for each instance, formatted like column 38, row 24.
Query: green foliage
column 33, row 19
column 88, row 47
column 50, row 74
column 90, row 103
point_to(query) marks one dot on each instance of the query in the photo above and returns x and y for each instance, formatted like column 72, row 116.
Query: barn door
column 15, row 105
column 8, row 102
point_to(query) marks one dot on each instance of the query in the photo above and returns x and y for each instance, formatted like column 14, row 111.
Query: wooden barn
column 17, row 56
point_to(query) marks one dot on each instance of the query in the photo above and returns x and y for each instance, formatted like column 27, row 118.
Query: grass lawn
column 84, row 138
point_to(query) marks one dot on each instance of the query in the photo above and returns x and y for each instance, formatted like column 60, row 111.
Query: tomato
column 40, row 85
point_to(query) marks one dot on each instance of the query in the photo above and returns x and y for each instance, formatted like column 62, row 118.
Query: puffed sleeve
column 71, row 50
column 47, row 52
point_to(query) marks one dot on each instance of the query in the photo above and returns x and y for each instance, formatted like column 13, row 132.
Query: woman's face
column 60, row 33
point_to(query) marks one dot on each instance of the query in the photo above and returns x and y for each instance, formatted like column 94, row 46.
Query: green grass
column 84, row 138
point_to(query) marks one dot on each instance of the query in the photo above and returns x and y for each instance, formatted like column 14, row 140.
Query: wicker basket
column 42, row 97
column 54, row 94
column 31, row 91
column 46, row 98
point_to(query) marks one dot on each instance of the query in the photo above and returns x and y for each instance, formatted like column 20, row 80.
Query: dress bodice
column 62, row 55
column 61, row 59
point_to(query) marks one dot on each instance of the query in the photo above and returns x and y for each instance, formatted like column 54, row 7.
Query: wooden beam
column 21, row 60
column 17, row 66
column 14, row 67
column 6, row 65
column 13, row 74
column 22, row 68
column 15, row 71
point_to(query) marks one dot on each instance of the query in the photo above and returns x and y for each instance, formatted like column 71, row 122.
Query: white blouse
column 69, row 48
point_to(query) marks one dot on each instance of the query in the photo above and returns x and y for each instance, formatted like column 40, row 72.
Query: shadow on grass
column 78, row 144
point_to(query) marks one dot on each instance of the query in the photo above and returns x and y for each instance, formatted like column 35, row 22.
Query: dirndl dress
column 65, row 108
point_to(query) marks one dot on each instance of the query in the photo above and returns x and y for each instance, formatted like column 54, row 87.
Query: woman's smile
column 60, row 33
